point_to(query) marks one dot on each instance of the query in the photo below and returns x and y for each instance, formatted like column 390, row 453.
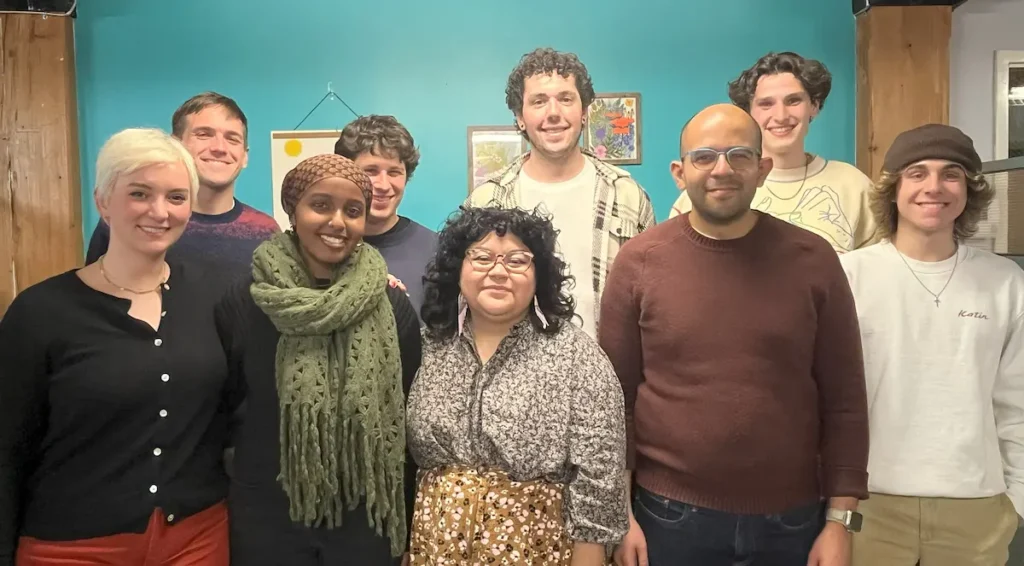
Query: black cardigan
column 102, row 418
column 250, row 340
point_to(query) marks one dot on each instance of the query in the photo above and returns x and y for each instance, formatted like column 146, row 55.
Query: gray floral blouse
column 542, row 407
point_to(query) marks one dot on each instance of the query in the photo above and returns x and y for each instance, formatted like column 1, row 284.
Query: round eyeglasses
column 740, row 158
column 484, row 260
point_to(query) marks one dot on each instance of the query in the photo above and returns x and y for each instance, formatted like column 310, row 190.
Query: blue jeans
column 679, row 534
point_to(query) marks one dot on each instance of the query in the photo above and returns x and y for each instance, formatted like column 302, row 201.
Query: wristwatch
column 852, row 520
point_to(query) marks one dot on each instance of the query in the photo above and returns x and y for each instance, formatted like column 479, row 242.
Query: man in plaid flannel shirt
column 549, row 92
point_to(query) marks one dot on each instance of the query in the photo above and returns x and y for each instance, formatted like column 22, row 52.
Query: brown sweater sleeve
column 619, row 332
column 842, row 397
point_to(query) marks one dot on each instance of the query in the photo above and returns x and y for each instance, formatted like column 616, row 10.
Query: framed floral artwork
column 490, row 148
column 612, row 131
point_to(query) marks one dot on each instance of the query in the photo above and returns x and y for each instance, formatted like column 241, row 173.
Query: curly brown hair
column 379, row 135
column 543, row 61
column 812, row 74
column 882, row 200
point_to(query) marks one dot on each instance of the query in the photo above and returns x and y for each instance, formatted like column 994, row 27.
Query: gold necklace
column 808, row 158
column 163, row 282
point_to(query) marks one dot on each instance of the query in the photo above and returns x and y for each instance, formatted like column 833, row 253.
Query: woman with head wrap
column 327, row 349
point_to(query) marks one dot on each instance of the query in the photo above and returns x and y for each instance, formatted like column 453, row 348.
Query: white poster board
column 288, row 149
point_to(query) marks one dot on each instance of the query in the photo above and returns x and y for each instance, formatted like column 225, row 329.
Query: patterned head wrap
column 315, row 169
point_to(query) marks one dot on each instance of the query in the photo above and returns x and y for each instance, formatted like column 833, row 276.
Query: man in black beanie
column 942, row 329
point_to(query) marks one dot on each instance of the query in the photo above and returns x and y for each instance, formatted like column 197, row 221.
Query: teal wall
column 438, row 66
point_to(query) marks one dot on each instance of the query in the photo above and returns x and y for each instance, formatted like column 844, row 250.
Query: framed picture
column 489, row 149
column 612, row 131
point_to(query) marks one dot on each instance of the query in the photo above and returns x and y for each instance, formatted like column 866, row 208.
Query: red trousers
column 200, row 540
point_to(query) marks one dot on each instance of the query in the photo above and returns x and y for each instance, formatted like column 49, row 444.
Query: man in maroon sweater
column 736, row 340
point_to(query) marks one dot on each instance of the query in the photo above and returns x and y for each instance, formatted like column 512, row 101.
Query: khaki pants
column 934, row 531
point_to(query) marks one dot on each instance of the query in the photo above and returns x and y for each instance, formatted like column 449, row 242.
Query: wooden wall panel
column 902, row 76
column 8, row 282
column 40, row 185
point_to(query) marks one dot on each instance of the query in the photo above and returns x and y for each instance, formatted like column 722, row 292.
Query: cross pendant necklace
column 956, row 261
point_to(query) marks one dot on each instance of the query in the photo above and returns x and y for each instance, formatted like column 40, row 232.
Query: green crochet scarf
column 339, row 382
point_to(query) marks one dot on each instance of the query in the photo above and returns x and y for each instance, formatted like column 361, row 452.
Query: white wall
column 980, row 27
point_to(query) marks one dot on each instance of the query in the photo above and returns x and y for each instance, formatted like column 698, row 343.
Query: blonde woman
column 114, row 397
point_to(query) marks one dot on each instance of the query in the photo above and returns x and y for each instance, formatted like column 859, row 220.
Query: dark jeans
column 679, row 534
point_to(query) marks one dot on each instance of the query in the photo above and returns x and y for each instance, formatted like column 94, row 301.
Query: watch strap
column 851, row 520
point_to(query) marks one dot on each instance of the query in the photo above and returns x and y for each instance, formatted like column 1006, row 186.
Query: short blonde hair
column 882, row 199
column 132, row 149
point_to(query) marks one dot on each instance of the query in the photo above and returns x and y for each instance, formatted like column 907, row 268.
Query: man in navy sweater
column 222, row 230
column 385, row 151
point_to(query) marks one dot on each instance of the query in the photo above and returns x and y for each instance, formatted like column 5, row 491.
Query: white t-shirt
column 571, row 206
column 945, row 384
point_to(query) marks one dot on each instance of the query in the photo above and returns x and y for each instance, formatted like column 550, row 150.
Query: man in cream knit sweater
column 784, row 92
column 942, row 328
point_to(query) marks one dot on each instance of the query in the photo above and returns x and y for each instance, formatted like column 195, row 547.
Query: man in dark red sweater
column 736, row 340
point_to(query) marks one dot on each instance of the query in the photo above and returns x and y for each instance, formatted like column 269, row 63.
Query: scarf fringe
column 319, row 499
column 342, row 419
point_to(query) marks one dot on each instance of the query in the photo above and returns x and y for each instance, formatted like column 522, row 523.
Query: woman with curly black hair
column 516, row 416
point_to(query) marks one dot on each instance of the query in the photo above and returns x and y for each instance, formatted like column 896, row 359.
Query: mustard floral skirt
column 468, row 517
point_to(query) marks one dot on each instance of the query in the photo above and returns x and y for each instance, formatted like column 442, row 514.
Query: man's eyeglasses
column 740, row 158
column 484, row 260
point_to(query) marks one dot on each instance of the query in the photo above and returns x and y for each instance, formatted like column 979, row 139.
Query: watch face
column 856, row 520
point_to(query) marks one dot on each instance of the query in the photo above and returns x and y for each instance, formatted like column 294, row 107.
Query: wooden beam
column 40, row 184
column 902, row 76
